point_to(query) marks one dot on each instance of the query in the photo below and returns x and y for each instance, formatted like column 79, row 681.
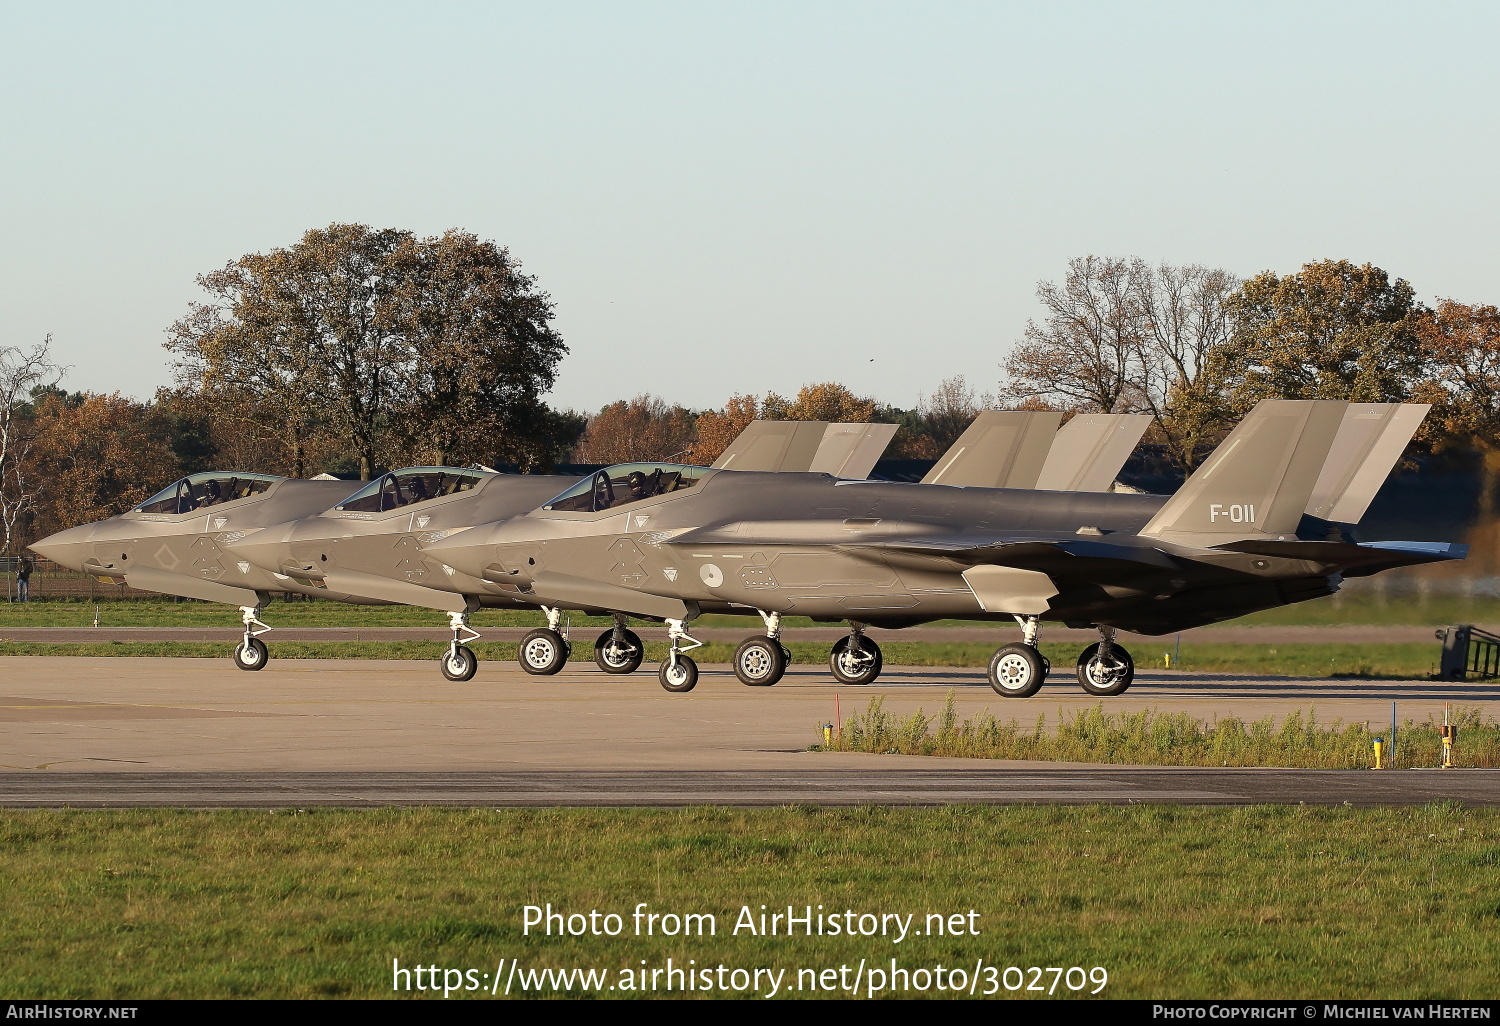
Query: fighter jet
column 364, row 547
column 671, row 542
column 173, row 543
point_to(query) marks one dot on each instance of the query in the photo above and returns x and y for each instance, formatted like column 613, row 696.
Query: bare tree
column 1080, row 357
column 1183, row 321
column 22, row 373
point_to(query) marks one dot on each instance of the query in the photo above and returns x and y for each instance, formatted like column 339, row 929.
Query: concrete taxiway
column 87, row 731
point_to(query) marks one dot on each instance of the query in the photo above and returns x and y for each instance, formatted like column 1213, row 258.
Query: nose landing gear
column 459, row 663
column 251, row 653
column 679, row 673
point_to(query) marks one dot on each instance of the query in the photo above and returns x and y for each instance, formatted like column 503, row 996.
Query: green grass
column 1174, row 902
column 1394, row 661
column 1338, row 609
column 1150, row 738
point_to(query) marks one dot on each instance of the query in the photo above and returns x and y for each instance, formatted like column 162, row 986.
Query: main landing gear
column 679, row 672
column 1018, row 671
column 459, row 663
column 251, row 653
column 761, row 661
column 1105, row 668
column 545, row 651
column 855, row 659
column 619, row 649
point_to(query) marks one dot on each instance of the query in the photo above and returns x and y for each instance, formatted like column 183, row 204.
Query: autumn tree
column 388, row 343
column 637, row 430
column 826, row 400
column 23, row 373
column 1460, row 345
column 96, row 456
column 1333, row 330
column 717, row 428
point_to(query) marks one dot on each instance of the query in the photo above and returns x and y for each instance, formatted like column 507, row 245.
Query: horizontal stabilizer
column 1088, row 452
column 1257, row 482
column 1001, row 449
column 1353, row 560
column 770, row 446
column 1371, row 439
column 850, row 451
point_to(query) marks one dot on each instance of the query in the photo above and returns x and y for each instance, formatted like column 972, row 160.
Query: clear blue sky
column 737, row 197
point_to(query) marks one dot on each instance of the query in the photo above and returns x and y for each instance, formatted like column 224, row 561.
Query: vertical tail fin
column 851, row 450
column 1089, row 451
column 999, row 450
column 1371, row 439
column 774, row 445
column 1258, row 481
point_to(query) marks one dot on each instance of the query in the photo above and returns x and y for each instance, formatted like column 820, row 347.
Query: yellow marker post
column 828, row 735
column 1379, row 752
column 1450, row 735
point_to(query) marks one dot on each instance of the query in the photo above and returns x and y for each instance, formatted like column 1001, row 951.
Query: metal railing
column 1468, row 652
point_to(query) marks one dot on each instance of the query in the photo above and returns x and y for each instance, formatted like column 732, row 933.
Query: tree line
column 359, row 349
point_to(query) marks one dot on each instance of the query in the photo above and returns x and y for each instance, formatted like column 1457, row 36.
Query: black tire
column 543, row 652
column 684, row 677
column 459, row 664
column 759, row 661
column 625, row 657
column 856, row 667
column 1105, row 681
column 1016, row 671
column 251, row 654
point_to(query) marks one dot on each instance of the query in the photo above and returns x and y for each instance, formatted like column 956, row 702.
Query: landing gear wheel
column 759, row 661
column 855, row 666
column 1046, row 667
column 251, row 654
column 624, row 656
column 1105, row 679
column 678, row 677
column 543, row 652
column 459, row 663
column 1017, row 671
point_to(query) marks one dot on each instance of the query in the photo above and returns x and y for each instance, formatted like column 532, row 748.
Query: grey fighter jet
column 671, row 542
column 174, row 544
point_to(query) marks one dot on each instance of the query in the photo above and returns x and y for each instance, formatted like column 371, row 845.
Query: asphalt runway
column 197, row 732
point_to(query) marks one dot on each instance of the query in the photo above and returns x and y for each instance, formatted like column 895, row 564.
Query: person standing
column 23, row 579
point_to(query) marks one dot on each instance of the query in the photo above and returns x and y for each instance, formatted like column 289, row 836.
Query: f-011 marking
column 1237, row 513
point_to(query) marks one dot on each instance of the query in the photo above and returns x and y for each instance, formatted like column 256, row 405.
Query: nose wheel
column 251, row 654
column 678, row 672
column 460, row 663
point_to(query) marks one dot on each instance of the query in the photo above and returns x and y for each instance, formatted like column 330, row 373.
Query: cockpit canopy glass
column 624, row 484
column 414, row 484
column 213, row 488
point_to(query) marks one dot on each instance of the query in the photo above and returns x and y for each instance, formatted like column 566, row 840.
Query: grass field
column 1179, row 902
column 1394, row 661
column 1150, row 738
column 1338, row 609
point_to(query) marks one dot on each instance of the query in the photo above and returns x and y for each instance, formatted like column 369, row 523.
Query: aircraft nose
column 66, row 548
column 468, row 551
column 265, row 548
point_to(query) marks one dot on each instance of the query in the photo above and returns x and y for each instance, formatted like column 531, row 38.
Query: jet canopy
column 212, row 488
column 413, row 484
column 626, row 483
